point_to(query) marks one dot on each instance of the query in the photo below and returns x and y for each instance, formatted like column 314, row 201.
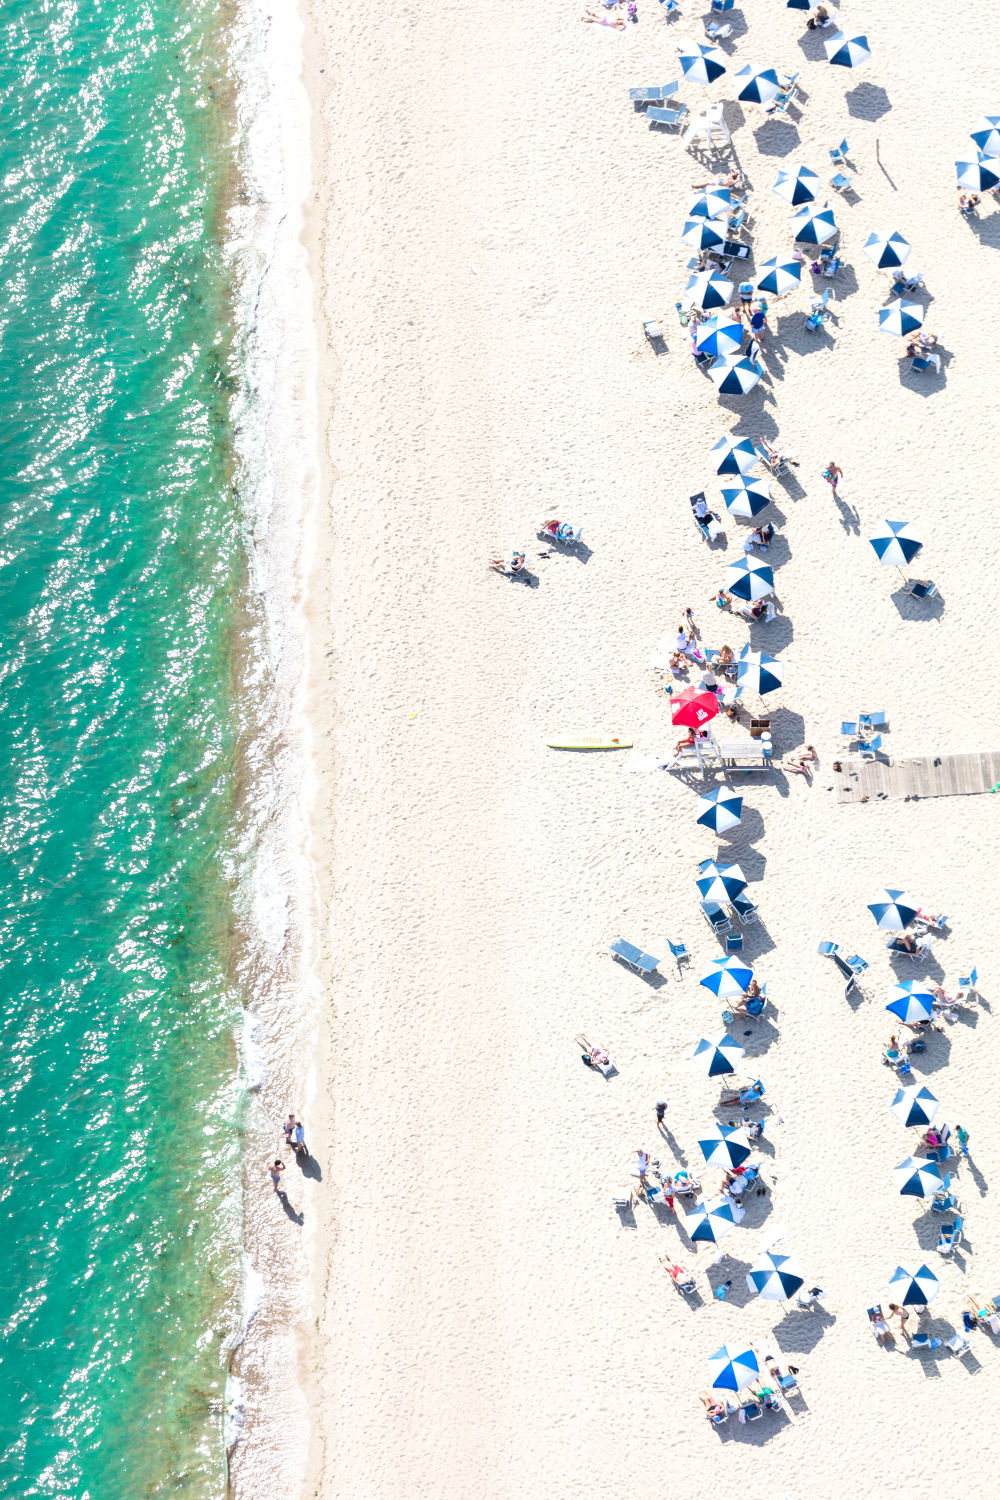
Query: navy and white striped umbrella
column 721, row 883
column 704, row 234
column 980, row 175
column 723, row 809
column 986, row 135
column 711, row 1220
column 799, row 186
column 720, row 336
column 776, row 1278
column 895, row 545
column 735, row 375
column 708, row 291
column 847, row 51
column 901, row 318
column 728, row 1146
column 913, row 1285
column 780, row 274
column 756, row 672
column 798, row 4
column 892, row 910
column 758, row 85
column 749, row 578
column 887, row 248
column 713, row 203
column 746, row 497
column 916, row 1177
column 814, row 226
column 727, row 977
column 910, row 1005
column 915, row 1106
column 734, row 455
column 700, row 64
column 719, row 1056
column 732, row 1368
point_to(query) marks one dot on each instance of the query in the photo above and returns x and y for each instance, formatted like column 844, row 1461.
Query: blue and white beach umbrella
column 735, row 375
column 728, row 977
column 711, row 1220
column 720, row 336
column 708, row 291
column 814, row 226
column 758, row 85
column 746, row 497
column 892, row 910
column 798, row 4
column 801, row 185
column 847, row 51
column 721, row 883
column 901, row 318
column 981, row 175
column 733, row 1368
column 776, row 1278
column 986, row 135
column 910, row 1006
column 734, row 455
column 780, row 274
column 887, row 248
column 700, row 64
column 915, row 1106
column 704, row 234
column 719, row 1056
column 713, row 203
column 756, row 672
column 727, row 1146
column 749, row 578
column 913, row 1285
column 916, row 1177
column 895, row 545
column 723, row 809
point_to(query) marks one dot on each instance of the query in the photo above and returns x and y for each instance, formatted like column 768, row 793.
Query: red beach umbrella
column 693, row 708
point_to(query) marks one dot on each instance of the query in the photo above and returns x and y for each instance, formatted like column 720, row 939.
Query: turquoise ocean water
column 122, row 599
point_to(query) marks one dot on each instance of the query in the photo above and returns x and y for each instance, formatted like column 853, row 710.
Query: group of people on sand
column 295, row 1137
column 764, row 1392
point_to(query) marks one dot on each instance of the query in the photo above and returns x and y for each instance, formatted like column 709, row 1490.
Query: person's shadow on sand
column 291, row 1213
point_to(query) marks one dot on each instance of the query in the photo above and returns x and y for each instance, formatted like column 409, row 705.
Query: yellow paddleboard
column 584, row 742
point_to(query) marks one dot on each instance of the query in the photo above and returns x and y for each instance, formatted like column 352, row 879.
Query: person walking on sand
column 274, row 1171
column 299, row 1139
column 895, row 1311
column 289, row 1127
column 661, row 1109
column 833, row 474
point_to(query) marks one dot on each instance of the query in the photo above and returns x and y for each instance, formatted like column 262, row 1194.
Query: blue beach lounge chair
column 633, row 957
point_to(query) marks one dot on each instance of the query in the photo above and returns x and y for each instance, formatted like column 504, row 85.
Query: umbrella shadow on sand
column 739, row 1294
column 800, row 1331
column 936, row 1057
column 868, row 101
column 927, row 1229
column 917, row 609
column 777, row 138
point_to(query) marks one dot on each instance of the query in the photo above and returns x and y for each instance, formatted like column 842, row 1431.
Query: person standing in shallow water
column 274, row 1171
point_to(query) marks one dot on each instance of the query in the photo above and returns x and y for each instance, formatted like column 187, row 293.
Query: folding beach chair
column 839, row 154
column 734, row 943
column 840, row 182
column 715, row 916
column 967, row 984
column 872, row 721
column 671, row 117
column 858, row 965
column 745, row 910
column 870, row 748
column 951, row 1235
column 828, row 949
column 921, row 589
column 924, row 1342
column 633, row 957
column 679, row 952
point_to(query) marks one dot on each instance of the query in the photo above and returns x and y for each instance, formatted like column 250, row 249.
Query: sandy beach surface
column 492, row 222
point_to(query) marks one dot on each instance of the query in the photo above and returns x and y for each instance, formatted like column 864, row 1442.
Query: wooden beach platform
column 928, row 775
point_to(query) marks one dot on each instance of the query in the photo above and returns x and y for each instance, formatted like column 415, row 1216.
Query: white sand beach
column 492, row 223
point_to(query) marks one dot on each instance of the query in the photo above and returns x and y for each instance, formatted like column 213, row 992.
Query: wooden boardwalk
column 917, row 776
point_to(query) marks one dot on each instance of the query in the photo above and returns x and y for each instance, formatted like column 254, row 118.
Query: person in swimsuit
column 832, row 474
column 274, row 1171
column 618, row 22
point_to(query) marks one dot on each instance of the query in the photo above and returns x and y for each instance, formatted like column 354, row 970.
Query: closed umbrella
column 717, row 1057
column 734, row 455
column 913, row 1285
column 916, row 1177
column 980, row 175
column 776, row 1278
column 722, row 809
column 719, row 336
column 728, row 977
column 704, row 234
column 746, row 497
column 847, row 50
column 710, row 1221
column 814, row 226
column 693, row 707
column 801, row 185
column 986, row 135
column 707, row 291
column 887, row 248
column 713, row 203
column 917, row 1006
column 700, row 64
column 749, row 578
column 901, row 318
column 893, row 910
column 915, row 1106
column 733, row 1367
column 727, row 1146
column 779, row 275
column 756, row 672
column 735, row 376
column 894, row 544
column 757, row 85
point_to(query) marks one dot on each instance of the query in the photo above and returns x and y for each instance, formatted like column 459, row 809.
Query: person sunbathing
column 618, row 22
column 802, row 761
column 905, row 943
column 967, row 202
column 514, row 565
column 762, row 536
column 713, row 1406
column 727, row 656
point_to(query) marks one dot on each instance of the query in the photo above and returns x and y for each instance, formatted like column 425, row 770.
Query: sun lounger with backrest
column 671, row 117
column 635, row 958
